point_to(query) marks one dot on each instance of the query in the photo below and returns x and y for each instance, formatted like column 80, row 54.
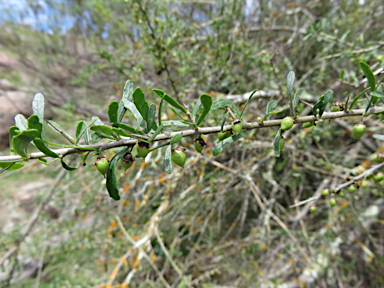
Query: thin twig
column 124, row 141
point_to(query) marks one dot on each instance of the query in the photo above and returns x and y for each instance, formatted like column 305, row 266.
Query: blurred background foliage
column 223, row 221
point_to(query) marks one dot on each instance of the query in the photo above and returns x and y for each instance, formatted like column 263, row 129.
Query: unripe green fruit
column 199, row 145
column 358, row 130
column 341, row 194
column 335, row 107
column 325, row 192
column 377, row 157
column 352, row 188
column 102, row 164
column 332, row 201
column 378, row 177
column 178, row 156
column 364, row 184
column 287, row 123
column 223, row 135
column 281, row 143
column 142, row 149
column 127, row 161
column 237, row 126
column 313, row 209
column 307, row 124
column 259, row 120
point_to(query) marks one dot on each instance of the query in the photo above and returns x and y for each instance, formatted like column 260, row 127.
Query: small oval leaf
column 39, row 143
column 206, row 100
column 112, row 111
column 168, row 160
column 140, row 103
column 111, row 185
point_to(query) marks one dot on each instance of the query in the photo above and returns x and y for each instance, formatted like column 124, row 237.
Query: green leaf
column 44, row 161
column 66, row 167
column 170, row 100
column 369, row 104
column 111, row 176
column 196, row 109
column 276, row 143
column 357, row 98
column 128, row 91
column 377, row 94
column 177, row 113
column 290, row 82
column 140, row 103
column 168, row 160
column 53, row 124
column 21, row 122
column 368, row 73
column 38, row 106
column 176, row 138
column 160, row 107
column 225, row 143
column 121, row 111
column 151, row 117
column 223, row 103
column 13, row 131
column 246, row 103
column 85, row 158
column 270, row 107
column 80, row 128
column 112, row 111
column 96, row 120
column 224, row 118
column 120, row 132
column 322, row 104
column 21, row 141
column 158, row 130
column 131, row 107
column 33, row 123
column 39, row 143
column 378, row 136
column 104, row 129
column 10, row 166
column 127, row 128
column 206, row 100
column 297, row 96
column 176, row 123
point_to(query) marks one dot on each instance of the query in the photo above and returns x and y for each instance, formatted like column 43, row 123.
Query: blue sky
column 46, row 18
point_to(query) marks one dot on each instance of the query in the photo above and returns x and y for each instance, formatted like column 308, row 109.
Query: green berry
column 223, row 135
column 237, row 126
column 377, row 157
column 178, row 156
column 352, row 188
column 287, row 123
column 281, row 143
column 378, row 177
column 199, row 144
column 313, row 209
column 325, row 192
column 102, row 164
column 127, row 161
column 335, row 107
column 307, row 124
column 358, row 130
column 364, row 184
column 332, row 201
column 142, row 149
column 259, row 120
column 341, row 194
